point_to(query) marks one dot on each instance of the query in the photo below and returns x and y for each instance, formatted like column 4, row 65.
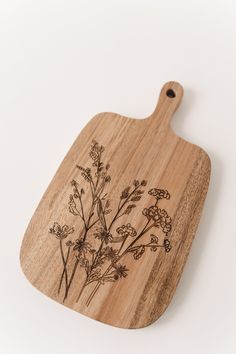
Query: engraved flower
column 139, row 251
column 159, row 193
column 103, row 235
column 167, row 245
column 159, row 216
column 81, row 246
column 109, row 253
column 126, row 230
column 151, row 212
column 154, row 239
column 61, row 232
column 163, row 220
column 95, row 153
column 121, row 271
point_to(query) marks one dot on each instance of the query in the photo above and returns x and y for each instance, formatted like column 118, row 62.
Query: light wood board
column 112, row 233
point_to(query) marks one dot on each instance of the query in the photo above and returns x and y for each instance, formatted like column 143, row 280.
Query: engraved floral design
column 61, row 232
column 126, row 230
column 103, row 235
column 120, row 271
column 104, row 243
column 159, row 193
column 159, row 217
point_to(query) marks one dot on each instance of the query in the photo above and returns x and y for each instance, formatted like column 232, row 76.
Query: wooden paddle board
column 112, row 233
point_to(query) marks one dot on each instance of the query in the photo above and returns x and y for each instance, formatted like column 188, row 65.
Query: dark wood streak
column 164, row 287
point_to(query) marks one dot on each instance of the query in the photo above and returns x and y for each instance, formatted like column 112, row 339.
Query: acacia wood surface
column 119, row 267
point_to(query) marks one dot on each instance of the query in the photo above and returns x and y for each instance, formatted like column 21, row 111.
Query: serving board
column 112, row 233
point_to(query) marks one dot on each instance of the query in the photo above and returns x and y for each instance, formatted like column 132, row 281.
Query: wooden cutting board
column 112, row 233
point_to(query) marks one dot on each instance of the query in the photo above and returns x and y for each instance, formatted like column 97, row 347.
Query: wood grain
column 121, row 269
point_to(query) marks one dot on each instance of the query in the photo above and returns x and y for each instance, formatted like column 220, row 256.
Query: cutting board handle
column 170, row 97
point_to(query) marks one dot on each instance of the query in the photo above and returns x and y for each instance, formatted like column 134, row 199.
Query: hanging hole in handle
column 170, row 93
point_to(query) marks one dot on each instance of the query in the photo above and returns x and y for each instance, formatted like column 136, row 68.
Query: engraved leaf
column 138, row 252
column 118, row 239
column 154, row 239
column 136, row 198
column 129, row 209
column 101, row 213
column 125, row 193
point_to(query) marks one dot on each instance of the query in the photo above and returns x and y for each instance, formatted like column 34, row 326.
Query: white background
column 61, row 62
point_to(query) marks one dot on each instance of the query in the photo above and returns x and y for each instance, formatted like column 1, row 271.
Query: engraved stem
column 63, row 273
column 64, row 266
